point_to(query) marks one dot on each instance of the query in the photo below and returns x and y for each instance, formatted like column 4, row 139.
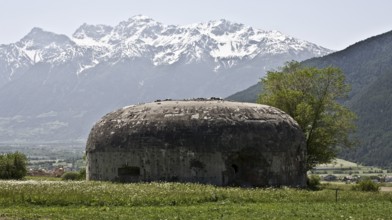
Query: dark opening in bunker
column 128, row 171
column 235, row 168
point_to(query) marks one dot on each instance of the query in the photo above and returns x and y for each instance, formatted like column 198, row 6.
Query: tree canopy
column 310, row 96
column 13, row 165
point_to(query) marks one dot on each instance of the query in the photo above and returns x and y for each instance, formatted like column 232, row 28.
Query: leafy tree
column 310, row 96
column 13, row 166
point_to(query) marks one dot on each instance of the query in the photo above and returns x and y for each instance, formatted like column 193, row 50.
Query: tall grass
column 159, row 194
column 81, row 199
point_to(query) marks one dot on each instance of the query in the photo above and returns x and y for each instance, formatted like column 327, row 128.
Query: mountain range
column 53, row 88
column 367, row 66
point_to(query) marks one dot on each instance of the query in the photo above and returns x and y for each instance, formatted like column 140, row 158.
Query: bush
column 313, row 182
column 13, row 166
column 82, row 173
column 366, row 185
column 71, row 176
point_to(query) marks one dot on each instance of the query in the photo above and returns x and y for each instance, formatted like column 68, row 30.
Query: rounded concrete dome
column 208, row 141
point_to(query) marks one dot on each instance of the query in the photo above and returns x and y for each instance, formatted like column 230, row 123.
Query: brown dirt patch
column 386, row 189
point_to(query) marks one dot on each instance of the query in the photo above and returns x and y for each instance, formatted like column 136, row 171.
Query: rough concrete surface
column 208, row 141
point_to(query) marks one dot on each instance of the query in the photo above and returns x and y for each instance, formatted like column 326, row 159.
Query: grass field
column 34, row 199
column 342, row 168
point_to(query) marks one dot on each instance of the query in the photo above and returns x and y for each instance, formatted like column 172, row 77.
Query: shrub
column 313, row 182
column 82, row 173
column 366, row 185
column 13, row 166
column 71, row 176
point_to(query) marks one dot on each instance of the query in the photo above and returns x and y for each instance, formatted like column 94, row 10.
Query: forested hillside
column 367, row 66
column 374, row 109
column 248, row 95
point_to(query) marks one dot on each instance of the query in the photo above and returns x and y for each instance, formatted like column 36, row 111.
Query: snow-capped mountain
column 223, row 41
column 51, row 82
column 226, row 43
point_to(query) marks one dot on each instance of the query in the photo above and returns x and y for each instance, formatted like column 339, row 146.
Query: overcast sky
column 334, row 24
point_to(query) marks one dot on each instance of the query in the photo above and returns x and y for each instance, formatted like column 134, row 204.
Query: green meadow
column 43, row 199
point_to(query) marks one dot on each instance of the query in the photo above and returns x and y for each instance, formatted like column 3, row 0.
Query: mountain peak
column 95, row 32
column 222, row 26
column 139, row 20
column 223, row 22
column 38, row 32
column 39, row 37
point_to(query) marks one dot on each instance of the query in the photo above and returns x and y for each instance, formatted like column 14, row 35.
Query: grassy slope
column 340, row 163
column 98, row 200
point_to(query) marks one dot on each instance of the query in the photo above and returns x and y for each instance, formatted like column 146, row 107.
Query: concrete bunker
column 205, row 141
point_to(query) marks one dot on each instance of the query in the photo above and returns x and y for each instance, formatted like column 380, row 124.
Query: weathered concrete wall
column 185, row 166
column 217, row 142
column 159, row 165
